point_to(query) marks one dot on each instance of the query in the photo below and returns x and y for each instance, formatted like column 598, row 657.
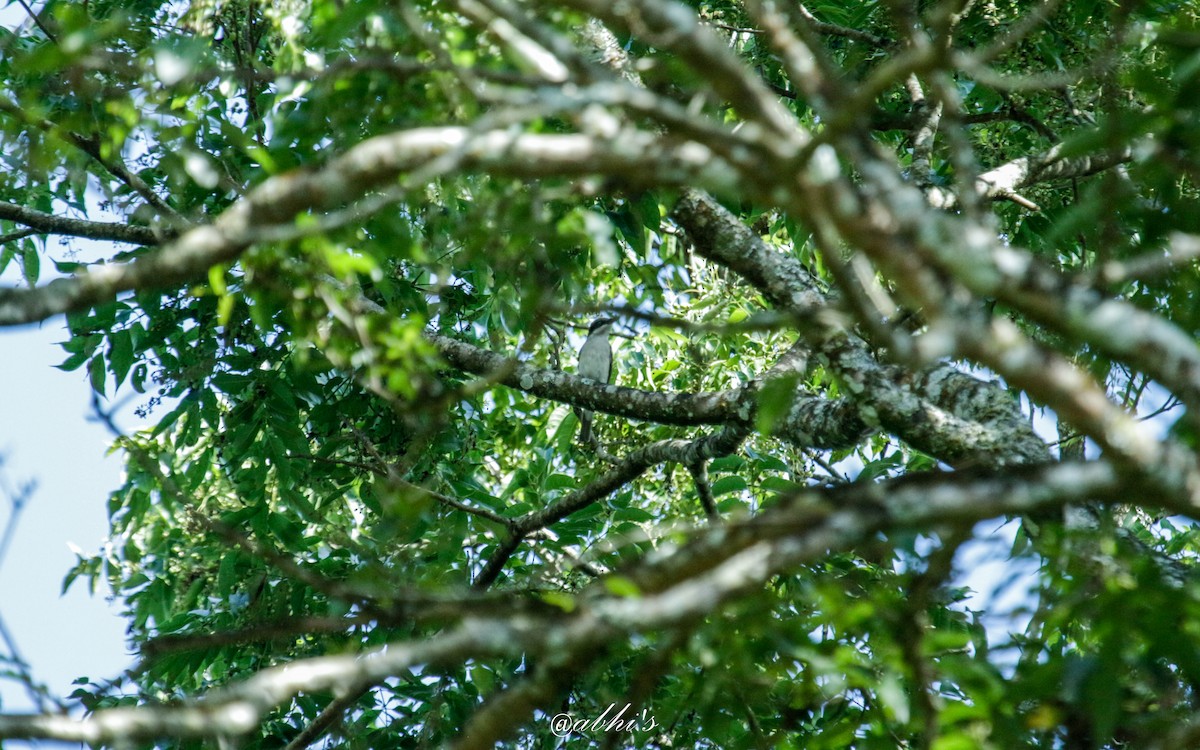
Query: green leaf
column 96, row 373
column 560, row 599
column 892, row 696
column 7, row 253
column 622, row 587
column 634, row 515
column 774, row 401
column 560, row 482
column 727, row 484
column 228, row 574
column 31, row 264
column 120, row 355
column 286, row 530
column 74, row 361
column 727, row 463
column 225, row 309
column 216, row 280
column 780, row 485
column 66, row 267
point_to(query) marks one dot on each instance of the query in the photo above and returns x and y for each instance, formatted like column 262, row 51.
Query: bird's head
column 601, row 326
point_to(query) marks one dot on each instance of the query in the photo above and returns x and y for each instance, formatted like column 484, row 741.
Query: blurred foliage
column 289, row 422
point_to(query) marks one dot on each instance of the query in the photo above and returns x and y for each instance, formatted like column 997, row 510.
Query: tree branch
column 634, row 156
column 929, row 413
column 633, row 465
column 90, row 145
column 720, row 564
column 1003, row 181
column 45, row 223
column 711, row 407
column 676, row 27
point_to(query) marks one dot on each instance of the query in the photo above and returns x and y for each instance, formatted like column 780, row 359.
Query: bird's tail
column 585, row 425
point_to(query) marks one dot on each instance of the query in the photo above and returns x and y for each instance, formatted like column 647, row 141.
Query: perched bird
column 595, row 362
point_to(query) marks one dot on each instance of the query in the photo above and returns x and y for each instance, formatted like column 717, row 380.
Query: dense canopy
column 883, row 270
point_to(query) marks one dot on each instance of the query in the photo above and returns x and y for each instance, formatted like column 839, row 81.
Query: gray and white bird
column 595, row 362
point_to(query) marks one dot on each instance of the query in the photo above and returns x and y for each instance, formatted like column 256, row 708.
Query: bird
column 595, row 362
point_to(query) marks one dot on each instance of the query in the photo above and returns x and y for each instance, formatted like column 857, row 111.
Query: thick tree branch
column 677, row 28
column 687, row 452
column 802, row 54
column 941, row 412
column 988, row 268
column 45, row 223
column 631, row 466
column 1004, row 181
column 811, row 421
column 713, row 407
column 831, row 29
column 720, row 564
column 632, row 155
column 912, row 243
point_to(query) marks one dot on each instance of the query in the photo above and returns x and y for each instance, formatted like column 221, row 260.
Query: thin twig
column 38, row 20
